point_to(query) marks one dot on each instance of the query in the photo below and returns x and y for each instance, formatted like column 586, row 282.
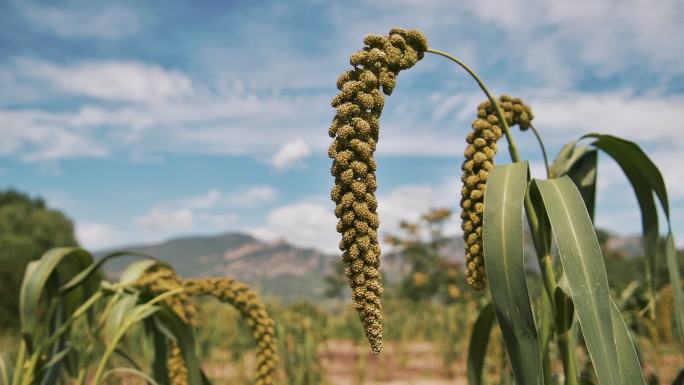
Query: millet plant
column 576, row 304
column 75, row 324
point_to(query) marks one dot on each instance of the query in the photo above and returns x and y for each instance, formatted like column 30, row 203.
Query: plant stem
column 543, row 150
column 565, row 347
column 18, row 366
column 512, row 148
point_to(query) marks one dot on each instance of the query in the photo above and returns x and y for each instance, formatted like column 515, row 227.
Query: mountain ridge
column 277, row 268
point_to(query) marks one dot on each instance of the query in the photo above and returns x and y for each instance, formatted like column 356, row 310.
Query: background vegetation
column 321, row 342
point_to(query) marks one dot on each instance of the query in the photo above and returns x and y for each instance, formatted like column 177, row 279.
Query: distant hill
column 283, row 271
column 276, row 268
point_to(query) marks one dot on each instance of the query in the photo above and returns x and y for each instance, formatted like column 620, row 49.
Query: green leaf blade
column 646, row 179
column 505, row 264
column 35, row 280
column 582, row 262
column 477, row 347
column 630, row 368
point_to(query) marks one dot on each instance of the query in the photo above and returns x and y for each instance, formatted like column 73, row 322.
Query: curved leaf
column 505, row 264
column 568, row 155
column 630, row 368
column 36, row 278
column 135, row 270
column 646, row 179
column 583, row 173
column 582, row 263
column 90, row 270
column 477, row 348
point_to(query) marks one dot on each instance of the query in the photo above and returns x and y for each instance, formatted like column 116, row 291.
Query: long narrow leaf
column 479, row 340
column 35, row 279
column 630, row 369
column 87, row 273
column 583, row 173
column 5, row 369
column 159, row 369
column 582, row 263
column 566, row 157
column 135, row 270
column 505, row 264
column 646, row 179
column 116, row 317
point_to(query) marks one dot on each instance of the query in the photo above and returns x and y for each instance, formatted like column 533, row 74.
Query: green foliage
column 301, row 327
column 27, row 229
column 428, row 273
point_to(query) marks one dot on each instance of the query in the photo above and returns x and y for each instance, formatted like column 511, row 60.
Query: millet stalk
column 540, row 238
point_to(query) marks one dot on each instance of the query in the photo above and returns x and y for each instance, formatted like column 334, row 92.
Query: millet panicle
column 161, row 278
column 355, row 131
column 248, row 303
column 157, row 280
column 479, row 161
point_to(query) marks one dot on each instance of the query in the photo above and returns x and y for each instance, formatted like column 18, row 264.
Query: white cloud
column 95, row 235
column 210, row 212
column 36, row 136
column 610, row 36
column 308, row 223
column 97, row 22
column 290, row 154
column 311, row 222
column 214, row 198
column 158, row 220
column 111, row 80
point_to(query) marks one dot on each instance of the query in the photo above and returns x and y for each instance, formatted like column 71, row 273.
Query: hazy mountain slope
column 276, row 268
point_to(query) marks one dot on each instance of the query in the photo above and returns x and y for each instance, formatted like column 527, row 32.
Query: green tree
column 421, row 248
column 28, row 228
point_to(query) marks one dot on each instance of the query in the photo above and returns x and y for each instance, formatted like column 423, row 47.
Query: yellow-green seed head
column 248, row 303
column 178, row 371
column 478, row 162
column 359, row 105
column 159, row 279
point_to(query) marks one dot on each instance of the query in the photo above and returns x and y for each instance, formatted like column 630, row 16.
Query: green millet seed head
column 478, row 162
column 159, row 279
column 248, row 303
column 354, row 131
column 178, row 371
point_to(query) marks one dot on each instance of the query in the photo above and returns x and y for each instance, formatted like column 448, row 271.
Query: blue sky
column 144, row 121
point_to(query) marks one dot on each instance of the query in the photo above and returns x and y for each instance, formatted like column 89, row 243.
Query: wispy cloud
column 36, row 136
column 86, row 20
column 213, row 211
column 290, row 154
column 96, row 235
column 131, row 81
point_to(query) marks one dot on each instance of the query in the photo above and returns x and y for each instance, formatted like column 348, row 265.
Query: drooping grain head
column 355, row 131
column 478, row 162
column 178, row 371
column 248, row 303
column 161, row 278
